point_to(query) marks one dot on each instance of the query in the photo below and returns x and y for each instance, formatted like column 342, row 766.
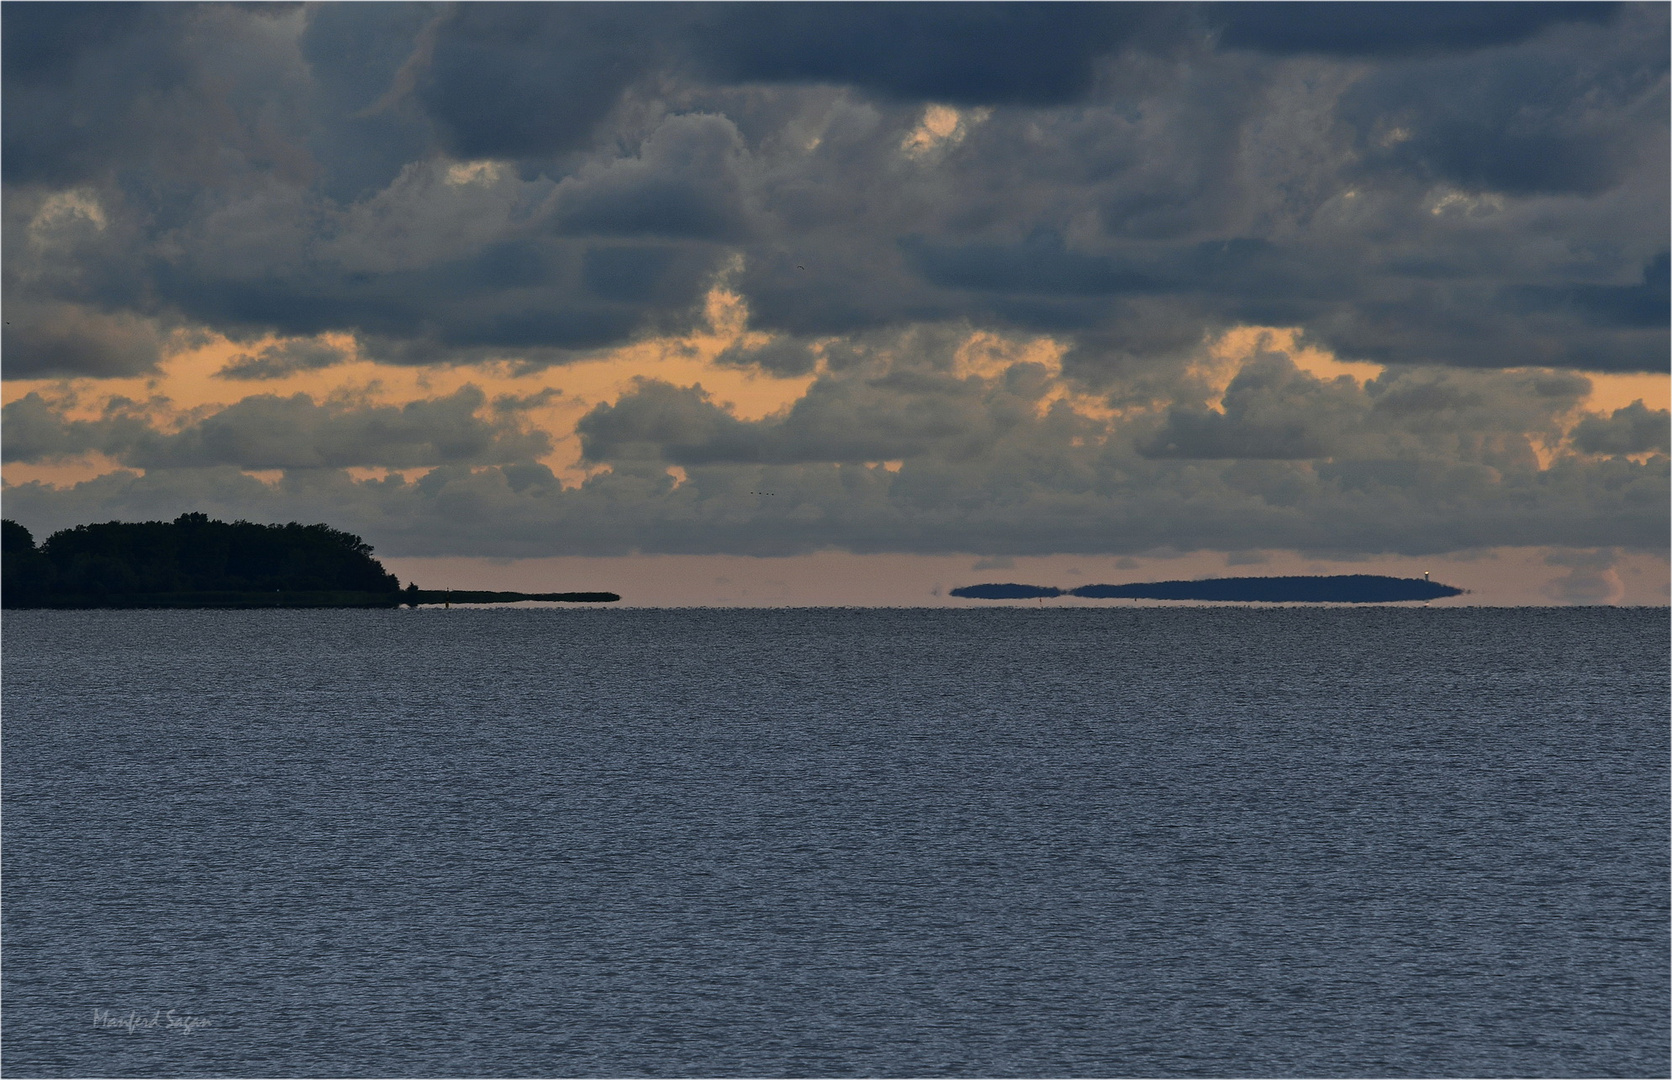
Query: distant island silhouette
column 194, row 562
column 1337, row 589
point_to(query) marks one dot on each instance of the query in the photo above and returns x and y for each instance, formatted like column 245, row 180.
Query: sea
column 591, row 842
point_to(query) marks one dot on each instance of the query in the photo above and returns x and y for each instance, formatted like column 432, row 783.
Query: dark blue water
column 836, row 842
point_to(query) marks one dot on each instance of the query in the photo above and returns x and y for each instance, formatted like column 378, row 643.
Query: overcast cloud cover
column 1000, row 242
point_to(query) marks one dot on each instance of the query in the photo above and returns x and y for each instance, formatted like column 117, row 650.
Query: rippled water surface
column 835, row 842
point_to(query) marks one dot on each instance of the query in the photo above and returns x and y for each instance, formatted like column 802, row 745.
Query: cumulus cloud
column 683, row 183
column 528, row 181
column 1269, row 411
column 1635, row 429
column 59, row 339
column 782, row 356
column 272, row 432
column 910, row 446
column 525, row 80
column 1538, row 121
column 1015, row 505
column 1463, row 194
column 285, row 358
column 34, row 430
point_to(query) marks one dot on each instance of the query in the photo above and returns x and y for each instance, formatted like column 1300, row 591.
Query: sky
column 773, row 304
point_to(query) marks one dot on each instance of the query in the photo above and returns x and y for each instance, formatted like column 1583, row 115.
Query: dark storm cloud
column 683, row 183
column 1541, row 119
column 1040, row 264
column 1646, row 305
column 1260, row 275
column 433, row 264
column 160, row 94
column 360, row 59
column 44, row 41
column 1129, row 177
column 1390, row 29
column 1035, row 54
column 530, row 80
column 75, row 76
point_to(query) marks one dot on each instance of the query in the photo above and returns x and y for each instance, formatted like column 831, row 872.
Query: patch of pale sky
column 63, row 474
column 941, row 126
column 1448, row 200
column 61, row 209
column 1494, row 576
column 474, row 172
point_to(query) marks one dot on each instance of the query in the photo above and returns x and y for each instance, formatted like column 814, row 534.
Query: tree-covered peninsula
column 194, row 561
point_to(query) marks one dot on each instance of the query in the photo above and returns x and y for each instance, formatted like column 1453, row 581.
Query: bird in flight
column 798, row 266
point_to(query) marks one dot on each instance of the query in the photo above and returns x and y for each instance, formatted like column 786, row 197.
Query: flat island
column 1337, row 589
column 194, row 562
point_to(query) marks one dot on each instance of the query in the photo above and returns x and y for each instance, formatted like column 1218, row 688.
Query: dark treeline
column 94, row 565
column 1336, row 589
column 193, row 561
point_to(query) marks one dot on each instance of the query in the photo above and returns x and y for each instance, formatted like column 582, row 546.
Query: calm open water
column 1007, row 842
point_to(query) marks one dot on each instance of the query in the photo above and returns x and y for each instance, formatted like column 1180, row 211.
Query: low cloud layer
column 271, row 432
column 907, row 449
